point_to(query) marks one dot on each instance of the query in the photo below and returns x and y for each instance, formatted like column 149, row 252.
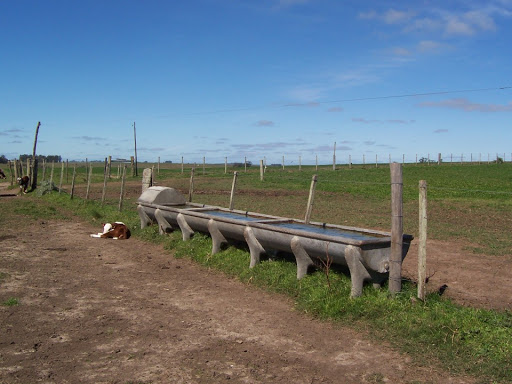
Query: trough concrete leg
column 301, row 256
column 358, row 273
column 163, row 225
column 184, row 227
column 217, row 238
column 144, row 218
column 254, row 246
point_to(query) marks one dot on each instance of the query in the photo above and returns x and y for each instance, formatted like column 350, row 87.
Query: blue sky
column 256, row 79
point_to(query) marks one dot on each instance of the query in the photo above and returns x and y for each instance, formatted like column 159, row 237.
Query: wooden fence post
column 73, row 183
column 181, row 164
column 232, row 197
column 67, row 171
column 422, row 247
column 61, row 176
column 121, row 197
column 191, row 189
column 225, row 165
column 204, row 164
column 11, row 172
column 88, row 183
column 16, row 169
column 103, row 194
column 395, row 261
column 311, row 198
column 261, row 170
column 51, row 172
column 283, row 163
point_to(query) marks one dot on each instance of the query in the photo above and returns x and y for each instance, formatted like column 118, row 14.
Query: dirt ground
column 105, row 311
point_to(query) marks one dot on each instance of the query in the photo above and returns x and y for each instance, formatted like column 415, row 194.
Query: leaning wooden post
column 105, row 177
column 61, row 176
column 422, row 247
column 88, row 183
column 34, row 159
column 261, row 170
column 73, row 183
column 121, row 197
column 191, row 188
column 395, row 260
column 51, row 172
column 311, row 198
column 232, row 197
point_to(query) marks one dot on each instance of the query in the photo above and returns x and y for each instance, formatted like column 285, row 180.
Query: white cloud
column 466, row 105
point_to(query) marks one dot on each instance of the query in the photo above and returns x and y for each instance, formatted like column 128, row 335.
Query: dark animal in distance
column 116, row 231
column 23, row 182
column 2, row 174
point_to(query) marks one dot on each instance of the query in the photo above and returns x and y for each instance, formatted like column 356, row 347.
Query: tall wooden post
column 261, row 170
column 16, row 174
column 395, row 262
column 34, row 159
column 109, row 165
column 181, row 164
column 88, row 183
column 191, row 188
column 132, row 163
column 204, row 163
column 422, row 247
column 311, row 198
column 158, row 169
column 245, row 164
column 103, row 194
column 61, row 176
column 232, row 197
column 73, row 182
column 225, row 165
column 121, row 197
column 11, row 172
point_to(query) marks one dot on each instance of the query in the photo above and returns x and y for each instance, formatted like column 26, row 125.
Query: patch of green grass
column 11, row 302
column 464, row 340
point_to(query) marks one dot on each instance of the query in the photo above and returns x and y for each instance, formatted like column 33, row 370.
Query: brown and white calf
column 23, row 182
column 116, row 231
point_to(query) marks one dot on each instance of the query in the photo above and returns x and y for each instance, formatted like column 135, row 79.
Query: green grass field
column 471, row 203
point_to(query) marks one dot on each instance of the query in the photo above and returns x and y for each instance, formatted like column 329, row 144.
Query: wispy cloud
column 467, row 106
column 441, row 131
column 430, row 20
column 265, row 123
column 389, row 121
column 335, row 109
column 89, row 138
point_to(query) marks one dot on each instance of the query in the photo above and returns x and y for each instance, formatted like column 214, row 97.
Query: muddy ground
column 103, row 311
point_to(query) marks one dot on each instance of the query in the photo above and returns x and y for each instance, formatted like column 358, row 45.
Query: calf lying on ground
column 23, row 182
column 116, row 231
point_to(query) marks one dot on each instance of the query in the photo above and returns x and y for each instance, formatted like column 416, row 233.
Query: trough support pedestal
column 186, row 231
column 358, row 272
column 163, row 225
column 254, row 246
column 301, row 256
column 144, row 218
column 217, row 238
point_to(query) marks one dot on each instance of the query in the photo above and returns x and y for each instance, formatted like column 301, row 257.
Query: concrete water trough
column 365, row 252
